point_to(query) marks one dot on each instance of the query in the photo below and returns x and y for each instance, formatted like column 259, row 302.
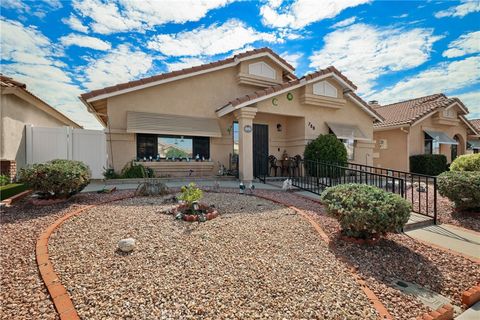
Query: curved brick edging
column 60, row 297
column 445, row 312
column 471, row 296
column 377, row 304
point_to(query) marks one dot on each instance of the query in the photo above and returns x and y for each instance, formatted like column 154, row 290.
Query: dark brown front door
column 260, row 150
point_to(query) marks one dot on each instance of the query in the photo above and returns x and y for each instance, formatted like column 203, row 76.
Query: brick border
column 60, row 297
column 445, row 312
column 471, row 296
column 17, row 197
column 377, row 304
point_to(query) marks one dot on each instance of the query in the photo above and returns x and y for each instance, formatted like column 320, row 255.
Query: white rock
column 126, row 245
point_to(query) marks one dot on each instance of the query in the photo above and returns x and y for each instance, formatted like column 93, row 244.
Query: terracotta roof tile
column 475, row 123
column 172, row 74
column 409, row 111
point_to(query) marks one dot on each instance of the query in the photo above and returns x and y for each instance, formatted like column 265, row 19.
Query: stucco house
column 473, row 142
column 433, row 124
column 251, row 103
column 18, row 108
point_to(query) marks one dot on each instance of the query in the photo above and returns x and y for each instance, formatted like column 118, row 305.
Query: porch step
column 172, row 179
column 417, row 221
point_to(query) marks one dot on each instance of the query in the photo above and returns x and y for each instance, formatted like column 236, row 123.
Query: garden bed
column 257, row 259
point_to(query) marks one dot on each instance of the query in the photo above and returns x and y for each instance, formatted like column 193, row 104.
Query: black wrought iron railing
column 260, row 166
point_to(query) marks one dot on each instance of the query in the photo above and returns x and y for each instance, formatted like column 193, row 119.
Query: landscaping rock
column 126, row 245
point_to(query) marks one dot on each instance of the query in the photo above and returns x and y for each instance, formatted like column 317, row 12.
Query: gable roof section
column 410, row 111
column 269, row 92
column 180, row 74
column 475, row 123
column 11, row 86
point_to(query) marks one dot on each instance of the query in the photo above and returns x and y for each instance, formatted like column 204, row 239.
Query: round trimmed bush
column 467, row 162
column 326, row 148
column 365, row 211
column 461, row 187
column 57, row 178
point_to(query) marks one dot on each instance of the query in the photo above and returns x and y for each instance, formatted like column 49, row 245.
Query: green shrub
column 365, row 211
column 110, row 174
column 11, row 189
column 190, row 194
column 132, row 170
column 429, row 164
column 56, row 178
column 467, row 162
column 461, row 187
column 325, row 149
column 4, row 180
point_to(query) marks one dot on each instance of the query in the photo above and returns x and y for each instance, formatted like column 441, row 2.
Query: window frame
column 197, row 143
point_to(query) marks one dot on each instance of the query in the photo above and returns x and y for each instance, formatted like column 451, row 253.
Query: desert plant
column 151, row 187
column 429, row 164
column 110, row 174
column 132, row 170
column 56, row 178
column 462, row 188
column 4, row 180
column 190, row 194
column 467, row 162
column 365, row 211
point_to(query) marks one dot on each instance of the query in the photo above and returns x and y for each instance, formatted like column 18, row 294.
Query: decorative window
column 450, row 113
column 262, row 69
column 323, row 88
column 170, row 146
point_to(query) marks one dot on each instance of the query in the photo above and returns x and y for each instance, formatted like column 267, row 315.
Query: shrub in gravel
column 467, row 162
column 325, row 149
column 132, row 170
column 430, row 164
column 365, row 211
column 191, row 194
column 462, row 188
column 57, row 178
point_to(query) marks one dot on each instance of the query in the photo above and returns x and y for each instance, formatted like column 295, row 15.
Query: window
column 261, row 69
column 235, row 135
column 454, row 148
column 431, row 146
column 350, row 146
column 323, row 88
column 170, row 146
column 450, row 113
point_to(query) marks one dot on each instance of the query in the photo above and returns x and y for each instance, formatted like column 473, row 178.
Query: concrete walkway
column 450, row 237
column 472, row 313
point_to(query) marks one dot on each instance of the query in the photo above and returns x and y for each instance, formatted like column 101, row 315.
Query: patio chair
column 295, row 164
column 272, row 160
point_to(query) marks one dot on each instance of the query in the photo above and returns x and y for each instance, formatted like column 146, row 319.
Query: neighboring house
column 473, row 142
column 433, row 124
column 249, row 104
column 20, row 107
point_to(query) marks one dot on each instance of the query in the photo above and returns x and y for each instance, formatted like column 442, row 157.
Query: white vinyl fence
column 88, row 146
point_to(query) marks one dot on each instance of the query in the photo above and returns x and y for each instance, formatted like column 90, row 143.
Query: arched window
column 454, row 148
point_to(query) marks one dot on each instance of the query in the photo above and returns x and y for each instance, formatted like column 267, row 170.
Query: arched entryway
column 458, row 149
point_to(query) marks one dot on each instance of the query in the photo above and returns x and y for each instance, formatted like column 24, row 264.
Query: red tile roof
column 310, row 76
column 409, row 111
column 135, row 83
column 475, row 123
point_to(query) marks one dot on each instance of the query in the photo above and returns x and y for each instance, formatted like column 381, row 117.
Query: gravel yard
column 256, row 260
column 22, row 292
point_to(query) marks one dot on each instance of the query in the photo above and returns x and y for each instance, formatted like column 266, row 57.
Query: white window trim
column 320, row 89
column 266, row 70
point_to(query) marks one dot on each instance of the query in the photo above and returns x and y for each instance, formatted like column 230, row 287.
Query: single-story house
column 433, row 124
column 20, row 107
column 473, row 143
column 251, row 103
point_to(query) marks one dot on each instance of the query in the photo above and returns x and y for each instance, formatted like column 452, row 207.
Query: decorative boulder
column 126, row 245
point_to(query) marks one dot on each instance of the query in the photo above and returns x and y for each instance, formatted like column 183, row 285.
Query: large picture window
column 170, row 146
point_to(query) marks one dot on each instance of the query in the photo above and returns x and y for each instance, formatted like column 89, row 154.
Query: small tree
column 325, row 149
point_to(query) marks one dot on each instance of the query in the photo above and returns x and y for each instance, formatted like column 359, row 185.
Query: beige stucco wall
column 395, row 155
column 15, row 114
column 417, row 136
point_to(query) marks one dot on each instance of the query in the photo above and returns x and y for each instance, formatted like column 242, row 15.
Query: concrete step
column 472, row 313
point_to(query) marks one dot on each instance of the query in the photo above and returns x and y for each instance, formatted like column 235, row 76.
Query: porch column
column 245, row 156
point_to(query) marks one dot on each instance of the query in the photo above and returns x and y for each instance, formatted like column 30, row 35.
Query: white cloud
column 215, row 39
column 184, row 63
column 121, row 64
column 365, row 52
column 344, row 23
column 12, row 4
column 401, row 16
column 445, row 77
column 30, row 57
column 75, row 23
column 292, row 58
column 466, row 44
column 301, row 13
column 85, row 41
column 472, row 101
column 467, row 6
column 124, row 15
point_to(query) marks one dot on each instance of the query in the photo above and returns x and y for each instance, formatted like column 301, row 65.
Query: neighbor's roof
column 409, row 111
column 475, row 123
column 274, row 90
column 9, row 85
column 173, row 74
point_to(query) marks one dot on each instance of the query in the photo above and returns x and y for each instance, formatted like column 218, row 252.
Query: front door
column 260, row 150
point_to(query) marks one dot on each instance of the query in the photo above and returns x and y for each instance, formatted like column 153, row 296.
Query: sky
column 391, row 50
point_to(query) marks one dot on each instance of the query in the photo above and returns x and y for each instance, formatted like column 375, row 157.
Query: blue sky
column 392, row 50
